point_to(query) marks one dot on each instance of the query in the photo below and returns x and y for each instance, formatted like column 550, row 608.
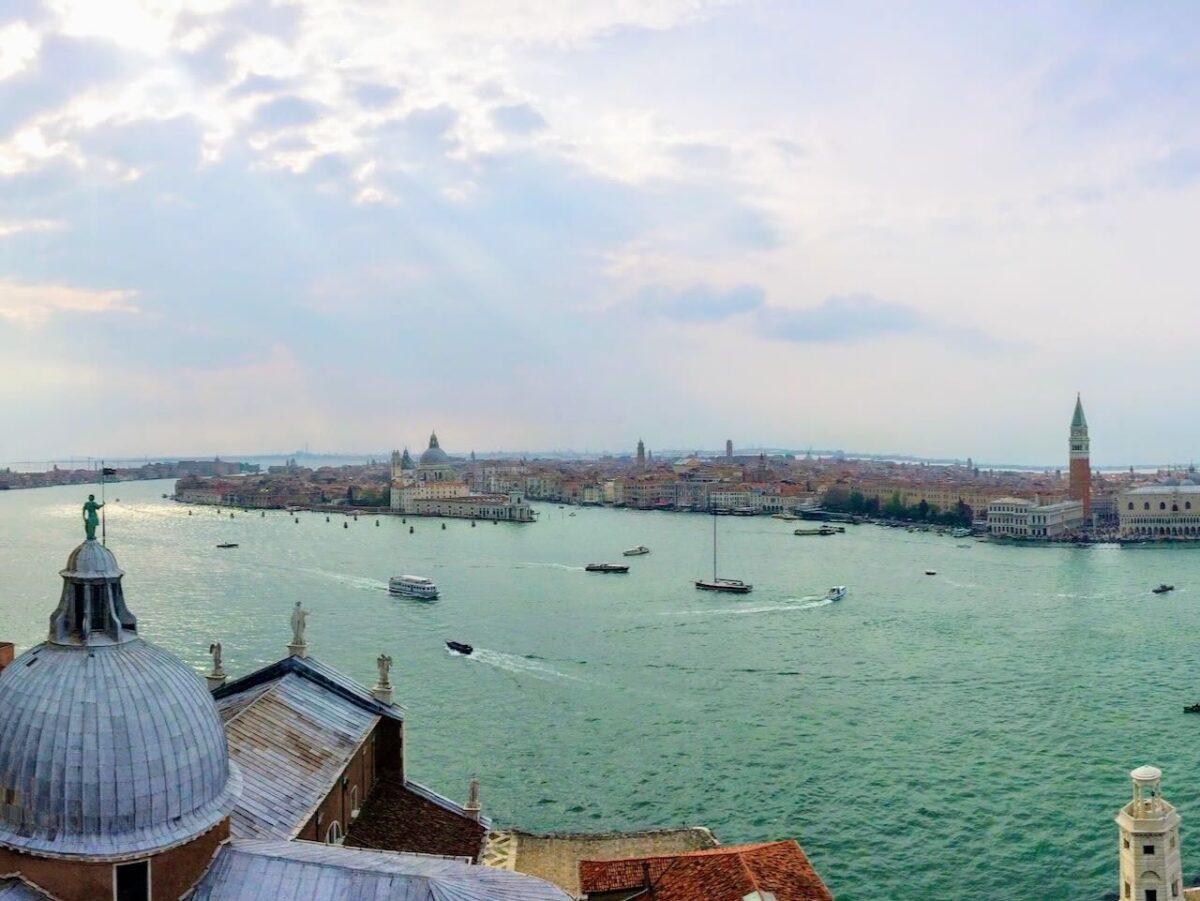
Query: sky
column 246, row 227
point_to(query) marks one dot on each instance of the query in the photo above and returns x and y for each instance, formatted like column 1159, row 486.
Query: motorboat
column 836, row 593
column 413, row 587
column 931, row 572
column 1192, row 708
column 227, row 544
column 1163, row 588
column 459, row 648
column 786, row 517
column 637, row 551
column 606, row 568
column 823, row 530
column 961, row 533
column 731, row 586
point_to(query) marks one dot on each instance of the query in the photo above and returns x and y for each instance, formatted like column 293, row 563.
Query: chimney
column 472, row 808
column 6, row 654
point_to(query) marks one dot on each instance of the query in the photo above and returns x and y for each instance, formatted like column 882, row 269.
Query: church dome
column 434, row 455
column 108, row 748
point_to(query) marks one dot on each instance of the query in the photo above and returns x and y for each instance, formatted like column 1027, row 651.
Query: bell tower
column 1148, row 852
column 1081, row 466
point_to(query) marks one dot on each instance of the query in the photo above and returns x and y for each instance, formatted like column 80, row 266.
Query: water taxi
column 836, row 593
column 636, row 551
column 823, row 530
column 1163, row 588
column 413, row 587
column 459, row 648
column 606, row 568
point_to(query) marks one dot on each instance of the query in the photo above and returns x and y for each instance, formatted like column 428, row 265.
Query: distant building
column 1017, row 517
column 728, row 448
column 641, row 454
column 1167, row 510
column 1081, row 466
column 432, row 488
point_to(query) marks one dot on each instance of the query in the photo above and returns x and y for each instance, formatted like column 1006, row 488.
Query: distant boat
column 459, row 648
column 606, row 568
column 786, row 517
column 413, row 587
column 1194, row 708
column 729, row 586
column 636, row 551
column 1163, row 588
column 931, row 572
column 836, row 593
column 227, row 544
column 961, row 533
column 823, row 530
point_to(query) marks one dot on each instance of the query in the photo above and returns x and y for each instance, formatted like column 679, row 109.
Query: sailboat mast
column 714, row 547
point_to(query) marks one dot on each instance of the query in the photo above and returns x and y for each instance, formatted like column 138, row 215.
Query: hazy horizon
column 569, row 224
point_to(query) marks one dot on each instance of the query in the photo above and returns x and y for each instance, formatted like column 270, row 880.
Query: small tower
column 728, row 448
column 1081, row 469
column 641, row 454
column 1148, row 852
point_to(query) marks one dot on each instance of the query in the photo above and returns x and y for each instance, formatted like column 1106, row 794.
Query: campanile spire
column 1081, row 466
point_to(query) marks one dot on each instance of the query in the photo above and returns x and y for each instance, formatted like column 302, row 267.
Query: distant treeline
column 843, row 500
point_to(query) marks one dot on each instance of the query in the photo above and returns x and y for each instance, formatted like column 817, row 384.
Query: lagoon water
column 966, row 735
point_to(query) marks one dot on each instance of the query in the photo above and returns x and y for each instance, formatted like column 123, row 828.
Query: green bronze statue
column 90, row 519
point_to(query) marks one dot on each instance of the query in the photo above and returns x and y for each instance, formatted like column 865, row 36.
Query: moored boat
column 636, row 551
column 606, row 568
column 413, row 587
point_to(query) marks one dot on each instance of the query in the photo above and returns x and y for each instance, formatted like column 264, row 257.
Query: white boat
column 413, row 587
column 730, row 586
column 836, row 593
column 637, row 551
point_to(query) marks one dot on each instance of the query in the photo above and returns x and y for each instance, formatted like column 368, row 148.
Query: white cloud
column 34, row 304
column 19, row 45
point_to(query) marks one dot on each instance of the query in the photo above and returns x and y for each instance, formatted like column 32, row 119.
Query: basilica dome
column 109, row 746
column 434, row 455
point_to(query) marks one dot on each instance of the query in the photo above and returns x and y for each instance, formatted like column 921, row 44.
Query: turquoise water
column 966, row 735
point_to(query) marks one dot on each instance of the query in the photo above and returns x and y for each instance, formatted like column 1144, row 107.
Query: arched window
column 1162, row 505
column 1174, row 508
column 1187, row 505
column 334, row 835
column 1131, row 505
column 1146, row 505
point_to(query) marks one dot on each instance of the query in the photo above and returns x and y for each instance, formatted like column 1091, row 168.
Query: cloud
column 518, row 119
column 16, row 226
column 287, row 112
column 33, row 304
column 700, row 303
column 19, row 45
column 847, row 317
column 1179, row 168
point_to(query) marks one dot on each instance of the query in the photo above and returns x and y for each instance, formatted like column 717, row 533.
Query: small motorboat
column 731, row 586
column 459, row 648
column 413, row 587
column 1192, row 708
column 836, row 593
column 1163, row 588
column 606, row 568
column 637, row 551
column 227, row 544
column 931, row 572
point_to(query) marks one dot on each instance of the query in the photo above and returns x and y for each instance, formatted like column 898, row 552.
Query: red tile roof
column 721, row 874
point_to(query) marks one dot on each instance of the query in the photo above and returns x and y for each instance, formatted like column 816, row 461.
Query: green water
column 960, row 736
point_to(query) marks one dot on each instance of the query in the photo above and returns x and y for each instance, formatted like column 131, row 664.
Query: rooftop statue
column 90, row 519
column 299, row 615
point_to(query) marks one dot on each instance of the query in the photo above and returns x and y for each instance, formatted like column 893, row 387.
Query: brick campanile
column 1081, row 467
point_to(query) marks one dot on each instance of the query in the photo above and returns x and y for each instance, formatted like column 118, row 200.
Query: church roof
column 1078, row 421
column 109, row 750
column 434, row 455
column 14, row 888
column 292, row 738
column 289, row 871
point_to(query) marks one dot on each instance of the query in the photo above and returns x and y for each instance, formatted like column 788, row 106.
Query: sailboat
column 731, row 586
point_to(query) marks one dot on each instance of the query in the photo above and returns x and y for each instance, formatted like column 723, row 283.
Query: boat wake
column 512, row 663
column 807, row 603
column 353, row 581
column 564, row 566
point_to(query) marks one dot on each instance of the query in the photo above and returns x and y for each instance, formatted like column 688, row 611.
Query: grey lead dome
column 108, row 750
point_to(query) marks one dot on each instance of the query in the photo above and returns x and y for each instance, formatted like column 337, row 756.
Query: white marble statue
column 299, row 615
column 215, row 650
column 384, row 662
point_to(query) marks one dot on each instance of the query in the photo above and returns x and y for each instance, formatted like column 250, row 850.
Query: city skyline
column 249, row 226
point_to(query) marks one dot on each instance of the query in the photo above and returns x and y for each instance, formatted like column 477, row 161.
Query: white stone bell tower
column 1149, row 843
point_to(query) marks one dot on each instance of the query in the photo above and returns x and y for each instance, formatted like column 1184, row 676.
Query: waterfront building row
column 1017, row 517
column 1161, row 511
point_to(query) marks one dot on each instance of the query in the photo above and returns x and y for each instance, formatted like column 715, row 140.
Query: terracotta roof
column 721, row 874
column 399, row 815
